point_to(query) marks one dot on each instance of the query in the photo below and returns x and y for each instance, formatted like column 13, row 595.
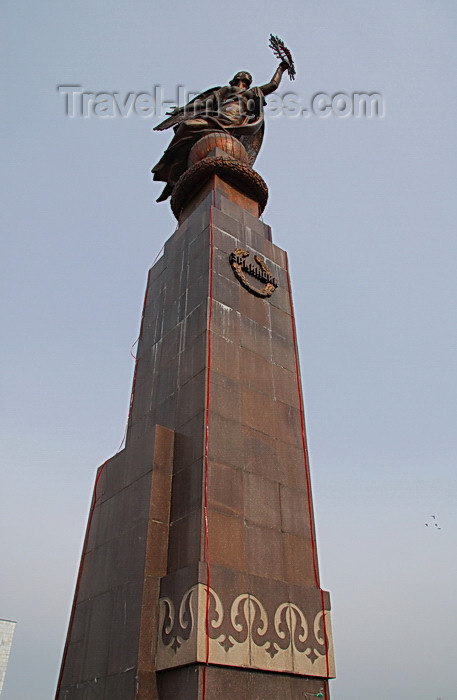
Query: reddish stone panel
column 255, row 337
column 282, row 352
column 149, row 622
column 160, row 496
column 254, row 307
column 226, row 540
column 261, row 501
column 281, row 300
column 260, row 456
column 225, row 322
column 258, row 411
column 288, row 424
column 225, row 441
column 226, row 292
column 298, row 560
column 292, row 462
column 294, row 512
column 225, row 397
column 285, row 386
column 264, row 552
column 225, row 489
column 225, row 356
column 157, row 549
column 147, row 685
column 256, row 372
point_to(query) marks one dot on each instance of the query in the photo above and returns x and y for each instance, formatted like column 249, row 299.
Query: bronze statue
column 236, row 109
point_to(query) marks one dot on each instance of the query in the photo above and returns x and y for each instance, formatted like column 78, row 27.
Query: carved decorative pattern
column 245, row 632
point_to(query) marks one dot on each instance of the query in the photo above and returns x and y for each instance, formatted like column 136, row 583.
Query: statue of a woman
column 236, row 109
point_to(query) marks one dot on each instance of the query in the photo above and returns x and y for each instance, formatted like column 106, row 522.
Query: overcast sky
column 365, row 207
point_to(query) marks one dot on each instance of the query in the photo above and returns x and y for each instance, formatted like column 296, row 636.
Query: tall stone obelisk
column 199, row 575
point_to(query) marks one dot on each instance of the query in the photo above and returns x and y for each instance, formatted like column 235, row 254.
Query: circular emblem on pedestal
column 245, row 271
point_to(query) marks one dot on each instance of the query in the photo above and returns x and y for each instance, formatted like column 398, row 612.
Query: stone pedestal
column 199, row 576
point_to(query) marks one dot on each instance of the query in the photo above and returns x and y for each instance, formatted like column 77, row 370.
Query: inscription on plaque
column 245, row 271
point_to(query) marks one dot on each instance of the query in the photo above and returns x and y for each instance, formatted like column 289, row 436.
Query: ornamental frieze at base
column 240, row 629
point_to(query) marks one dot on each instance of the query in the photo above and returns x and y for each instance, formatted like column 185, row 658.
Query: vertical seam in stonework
column 307, row 474
column 205, row 502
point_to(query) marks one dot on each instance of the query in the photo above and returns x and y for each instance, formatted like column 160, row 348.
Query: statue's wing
column 252, row 144
column 180, row 114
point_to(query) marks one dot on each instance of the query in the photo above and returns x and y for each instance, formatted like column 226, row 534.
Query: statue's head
column 242, row 76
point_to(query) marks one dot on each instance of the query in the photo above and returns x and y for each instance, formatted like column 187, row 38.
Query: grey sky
column 366, row 209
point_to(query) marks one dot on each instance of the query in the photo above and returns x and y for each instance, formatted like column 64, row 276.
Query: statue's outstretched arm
column 276, row 79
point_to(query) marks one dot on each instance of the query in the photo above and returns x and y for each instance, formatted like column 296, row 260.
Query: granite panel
column 160, row 496
column 294, row 512
column 189, row 442
column 283, row 352
column 226, row 540
column 256, row 372
column 170, row 345
column 187, row 490
column 260, row 455
column 298, row 560
column 258, row 411
column 175, row 313
column 226, row 322
column 156, row 549
column 225, row 396
column 286, row 386
column 225, row 241
column 191, row 398
column 193, row 360
column 224, row 222
column 185, row 543
column 197, row 292
column 226, row 292
column 124, row 628
column 98, row 641
column 120, row 686
column 225, row 356
column 264, row 552
column 281, row 299
column 261, row 501
column 183, row 683
column 288, row 424
column 195, row 324
column 281, row 323
column 225, row 441
column 255, row 337
column 225, row 489
column 147, row 645
column 255, row 308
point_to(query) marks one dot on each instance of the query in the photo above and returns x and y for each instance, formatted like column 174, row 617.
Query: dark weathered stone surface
column 218, row 495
